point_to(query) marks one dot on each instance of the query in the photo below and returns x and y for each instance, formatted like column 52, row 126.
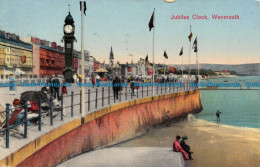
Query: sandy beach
column 214, row 145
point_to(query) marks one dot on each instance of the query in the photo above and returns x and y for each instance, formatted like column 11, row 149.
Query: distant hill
column 244, row 69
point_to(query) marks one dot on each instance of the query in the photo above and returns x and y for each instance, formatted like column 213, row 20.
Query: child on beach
column 177, row 148
column 186, row 147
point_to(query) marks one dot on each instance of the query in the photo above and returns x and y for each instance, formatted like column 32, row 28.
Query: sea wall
column 107, row 126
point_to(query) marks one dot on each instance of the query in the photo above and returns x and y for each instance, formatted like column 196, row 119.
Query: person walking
column 12, row 85
column 218, row 115
column 56, row 85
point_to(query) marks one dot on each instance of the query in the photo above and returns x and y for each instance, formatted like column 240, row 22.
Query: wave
column 192, row 118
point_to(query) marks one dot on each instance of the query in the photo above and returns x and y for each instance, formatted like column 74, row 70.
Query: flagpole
column 182, row 69
column 164, row 66
column 198, row 63
column 82, row 62
column 189, row 53
column 153, row 51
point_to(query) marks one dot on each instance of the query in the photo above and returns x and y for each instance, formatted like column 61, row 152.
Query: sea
column 239, row 107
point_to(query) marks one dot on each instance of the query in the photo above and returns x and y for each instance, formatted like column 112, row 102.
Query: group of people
column 55, row 90
column 179, row 145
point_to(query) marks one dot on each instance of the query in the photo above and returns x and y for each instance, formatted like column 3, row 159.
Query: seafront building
column 32, row 57
column 16, row 56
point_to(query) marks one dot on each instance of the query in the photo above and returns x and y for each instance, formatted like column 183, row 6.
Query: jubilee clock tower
column 69, row 38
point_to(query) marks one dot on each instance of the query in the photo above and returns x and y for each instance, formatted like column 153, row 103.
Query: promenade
column 99, row 97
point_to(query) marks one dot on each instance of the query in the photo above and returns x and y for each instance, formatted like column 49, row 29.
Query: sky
column 124, row 26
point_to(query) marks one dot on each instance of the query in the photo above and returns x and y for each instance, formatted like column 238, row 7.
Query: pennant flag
column 181, row 52
column 165, row 55
column 190, row 36
column 195, row 45
column 146, row 59
column 151, row 22
column 85, row 7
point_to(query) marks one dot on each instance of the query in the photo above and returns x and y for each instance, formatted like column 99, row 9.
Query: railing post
column 120, row 94
column 40, row 115
column 25, row 119
column 165, row 88
column 126, row 93
column 161, row 89
column 88, row 99
column 80, row 101
column 137, row 92
column 7, row 126
column 102, row 96
column 157, row 89
column 96, row 98
column 51, row 112
column 132, row 92
column 114, row 94
column 142, row 90
column 61, row 114
column 147, row 89
column 72, row 94
column 109, row 95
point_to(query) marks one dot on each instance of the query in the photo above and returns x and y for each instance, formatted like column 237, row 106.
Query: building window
column 47, row 61
column 52, row 62
column 42, row 61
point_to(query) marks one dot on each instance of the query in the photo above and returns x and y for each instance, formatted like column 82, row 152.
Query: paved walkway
column 128, row 157
column 17, row 141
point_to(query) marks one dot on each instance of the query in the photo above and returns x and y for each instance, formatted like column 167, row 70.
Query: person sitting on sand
column 218, row 116
column 177, row 148
column 186, row 147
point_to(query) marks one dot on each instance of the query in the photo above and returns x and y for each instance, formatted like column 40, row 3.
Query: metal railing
column 96, row 98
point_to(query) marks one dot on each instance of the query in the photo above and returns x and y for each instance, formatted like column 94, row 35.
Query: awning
column 101, row 70
column 19, row 72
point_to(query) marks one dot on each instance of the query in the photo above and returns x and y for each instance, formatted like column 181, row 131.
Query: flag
column 85, row 7
column 190, row 36
column 146, row 59
column 195, row 45
column 23, row 59
column 151, row 22
column 165, row 55
column 181, row 52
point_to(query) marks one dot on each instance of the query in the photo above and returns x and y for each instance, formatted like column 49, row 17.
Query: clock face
column 68, row 29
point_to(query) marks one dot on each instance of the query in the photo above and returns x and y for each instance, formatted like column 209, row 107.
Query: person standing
column 116, row 87
column 64, row 88
column 51, row 86
column 12, row 85
column 218, row 115
column 56, row 85
column 75, row 79
column 177, row 148
column 132, row 85
column 93, row 81
column 97, row 80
